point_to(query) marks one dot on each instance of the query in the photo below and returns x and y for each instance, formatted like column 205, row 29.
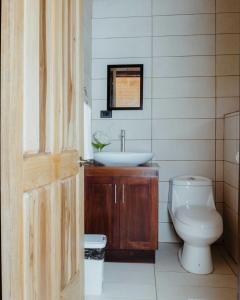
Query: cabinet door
column 102, row 209
column 138, row 213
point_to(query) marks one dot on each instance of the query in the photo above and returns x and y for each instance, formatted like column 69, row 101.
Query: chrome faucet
column 122, row 140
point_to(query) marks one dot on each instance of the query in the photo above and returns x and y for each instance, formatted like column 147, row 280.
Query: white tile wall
column 123, row 8
column 231, row 231
column 227, row 65
column 231, row 197
column 183, row 129
column 219, row 170
column 227, row 101
column 226, row 105
column 163, row 212
column 184, row 66
column 219, row 192
column 135, row 129
column 169, row 7
column 231, row 173
column 230, row 150
column 219, row 149
column 185, row 45
column 113, row 48
column 169, row 169
column 183, row 108
column 227, row 86
column 163, row 191
column 227, row 23
column 131, row 145
column 176, row 42
column 231, row 127
column 186, row 149
column 219, row 129
column 166, row 233
column 227, row 44
column 184, row 24
column 122, row 27
column 227, row 6
column 231, row 189
column 182, row 87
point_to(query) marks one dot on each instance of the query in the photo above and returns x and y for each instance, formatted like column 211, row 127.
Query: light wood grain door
column 41, row 141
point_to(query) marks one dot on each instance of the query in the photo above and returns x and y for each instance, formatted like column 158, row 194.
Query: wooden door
column 41, row 140
column 138, row 213
column 102, row 208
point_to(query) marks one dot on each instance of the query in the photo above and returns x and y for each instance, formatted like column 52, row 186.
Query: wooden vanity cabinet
column 123, row 204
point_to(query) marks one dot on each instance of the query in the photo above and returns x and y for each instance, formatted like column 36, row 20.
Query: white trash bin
column 94, row 245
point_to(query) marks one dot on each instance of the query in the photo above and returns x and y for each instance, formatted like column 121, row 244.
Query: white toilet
column 193, row 212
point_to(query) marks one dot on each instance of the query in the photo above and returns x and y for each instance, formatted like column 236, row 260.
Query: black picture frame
column 109, row 86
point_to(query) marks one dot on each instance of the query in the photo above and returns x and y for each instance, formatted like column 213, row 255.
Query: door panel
column 138, row 213
column 41, row 117
column 68, row 232
column 41, row 214
column 68, row 72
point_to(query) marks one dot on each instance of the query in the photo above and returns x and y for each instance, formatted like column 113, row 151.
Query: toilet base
column 196, row 259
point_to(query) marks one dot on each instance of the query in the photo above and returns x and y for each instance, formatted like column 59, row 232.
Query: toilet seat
column 198, row 216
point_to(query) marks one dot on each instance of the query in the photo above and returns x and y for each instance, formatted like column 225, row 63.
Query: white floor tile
column 129, row 267
column 232, row 264
column 129, row 291
column 188, row 279
column 167, row 258
column 129, row 273
column 196, row 293
column 167, row 280
column 220, row 265
column 111, row 298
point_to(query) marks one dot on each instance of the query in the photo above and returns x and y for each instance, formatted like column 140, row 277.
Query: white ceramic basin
column 122, row 158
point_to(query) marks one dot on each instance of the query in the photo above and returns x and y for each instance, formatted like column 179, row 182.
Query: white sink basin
column 122, row 158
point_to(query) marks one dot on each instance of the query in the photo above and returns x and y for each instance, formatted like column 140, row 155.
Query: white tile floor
column 167, row 280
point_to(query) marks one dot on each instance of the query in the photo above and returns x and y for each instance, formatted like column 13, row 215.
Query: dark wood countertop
column 149, row 169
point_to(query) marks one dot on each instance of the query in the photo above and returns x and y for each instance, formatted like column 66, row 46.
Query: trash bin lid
column 95, row 241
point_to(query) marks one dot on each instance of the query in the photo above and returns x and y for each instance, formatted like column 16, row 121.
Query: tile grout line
column 164, row 56
column 180, row 76
column 163, row 36
column 166, row 15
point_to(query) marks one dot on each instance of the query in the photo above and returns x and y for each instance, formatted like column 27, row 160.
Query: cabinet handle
column 115, row 193
column 123, row 193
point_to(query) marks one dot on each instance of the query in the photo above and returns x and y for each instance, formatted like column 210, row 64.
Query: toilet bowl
column 196, row 221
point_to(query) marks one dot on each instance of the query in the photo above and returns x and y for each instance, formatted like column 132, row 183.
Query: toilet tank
column 190, row 190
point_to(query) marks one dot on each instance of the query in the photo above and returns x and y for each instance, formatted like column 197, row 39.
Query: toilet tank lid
column 191, row 180
column 95, row 241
